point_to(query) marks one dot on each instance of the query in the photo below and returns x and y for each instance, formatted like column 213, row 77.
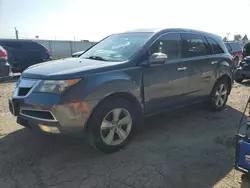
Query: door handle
column 182, row 68
column 214, row 62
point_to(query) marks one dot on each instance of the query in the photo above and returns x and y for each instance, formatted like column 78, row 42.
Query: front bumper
column 36, row 109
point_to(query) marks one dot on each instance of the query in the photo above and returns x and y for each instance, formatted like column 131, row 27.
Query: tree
column 225, row 39
column 237, row 37
column 245, row 38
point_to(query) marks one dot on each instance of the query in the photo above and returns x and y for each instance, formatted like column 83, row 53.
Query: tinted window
column 215, row 46
column 194, row 45
column 228, row 47
column 167, row 44
column 235, row 47
column 14, row 45
column 32, row 46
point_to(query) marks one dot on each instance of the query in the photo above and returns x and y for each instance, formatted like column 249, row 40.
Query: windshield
column 118, row 47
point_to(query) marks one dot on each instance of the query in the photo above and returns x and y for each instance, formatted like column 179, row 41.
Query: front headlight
column 56, row 86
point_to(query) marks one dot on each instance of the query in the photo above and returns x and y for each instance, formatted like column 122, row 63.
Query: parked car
column 106, row 91
column 246, row 50
column 243, row 71
column 4, row 65
column 77, row 54
column 235, row 50
column 24, row 53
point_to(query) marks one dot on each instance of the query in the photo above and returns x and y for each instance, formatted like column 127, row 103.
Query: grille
column 23, row 91
column 46, row 115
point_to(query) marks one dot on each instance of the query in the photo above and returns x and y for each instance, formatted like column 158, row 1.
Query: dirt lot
column 189, row 148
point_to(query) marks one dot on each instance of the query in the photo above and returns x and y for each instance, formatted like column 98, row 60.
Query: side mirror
column 158, row 58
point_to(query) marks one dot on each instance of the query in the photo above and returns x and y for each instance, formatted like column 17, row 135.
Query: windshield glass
column 118, row 47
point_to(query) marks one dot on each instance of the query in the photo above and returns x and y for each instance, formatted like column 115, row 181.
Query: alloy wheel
column 220, row 95
column 116, row 126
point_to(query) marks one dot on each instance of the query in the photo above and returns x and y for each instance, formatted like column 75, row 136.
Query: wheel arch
column 224, row 77
column 121, row 94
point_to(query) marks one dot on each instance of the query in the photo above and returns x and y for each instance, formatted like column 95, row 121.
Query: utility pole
column 16, row 32
column 228, row 36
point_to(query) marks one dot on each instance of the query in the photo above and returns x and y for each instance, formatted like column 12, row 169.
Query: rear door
column 165, row 85
column 196, row 53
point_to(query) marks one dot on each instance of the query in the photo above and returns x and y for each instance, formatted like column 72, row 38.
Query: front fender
column 102, row 85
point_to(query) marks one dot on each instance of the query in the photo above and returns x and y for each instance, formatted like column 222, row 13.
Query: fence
column 65, row 48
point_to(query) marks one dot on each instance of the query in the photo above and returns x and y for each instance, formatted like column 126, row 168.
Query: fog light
column 49, row 129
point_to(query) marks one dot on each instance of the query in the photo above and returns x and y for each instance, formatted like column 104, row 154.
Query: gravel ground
column 189, row 148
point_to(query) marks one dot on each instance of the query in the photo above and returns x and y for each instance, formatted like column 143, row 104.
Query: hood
column 69, row 68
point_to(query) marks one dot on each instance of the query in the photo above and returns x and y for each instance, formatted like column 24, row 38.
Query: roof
column 156, row 30
column 15, row 40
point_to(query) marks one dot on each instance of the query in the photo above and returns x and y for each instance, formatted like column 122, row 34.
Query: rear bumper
column 5, row 72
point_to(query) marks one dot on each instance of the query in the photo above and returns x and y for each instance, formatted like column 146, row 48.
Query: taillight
column 3, row 54
column 48, row 52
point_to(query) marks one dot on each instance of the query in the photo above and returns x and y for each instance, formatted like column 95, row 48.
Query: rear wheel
column 112, row 124
column 219, row 95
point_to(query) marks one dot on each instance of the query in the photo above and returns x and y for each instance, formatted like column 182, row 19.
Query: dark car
column 235, row 50
column 24, row 53
column 77, row 54
column 106, row 91
column 243, row 70
column 246, row 50
column 4, row 65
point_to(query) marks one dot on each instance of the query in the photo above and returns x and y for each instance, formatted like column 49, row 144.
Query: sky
column 94, row 19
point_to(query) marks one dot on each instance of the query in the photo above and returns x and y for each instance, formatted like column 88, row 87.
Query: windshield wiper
column 96, row 58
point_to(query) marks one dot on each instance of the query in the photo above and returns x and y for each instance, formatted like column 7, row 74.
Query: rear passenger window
column 194, row 45
column 31, row 46
column 14, row 45
column 167, row 44
column 215, row 46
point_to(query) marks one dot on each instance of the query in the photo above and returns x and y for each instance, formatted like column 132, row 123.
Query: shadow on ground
column 190, row 147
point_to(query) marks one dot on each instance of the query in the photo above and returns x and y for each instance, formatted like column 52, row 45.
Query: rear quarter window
column 32, row 46
column 236, row 47
column 215, row 46
column 233, row 46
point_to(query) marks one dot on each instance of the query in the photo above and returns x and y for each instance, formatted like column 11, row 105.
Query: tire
column 100, row 132
column 219, row 95
column 239, row 80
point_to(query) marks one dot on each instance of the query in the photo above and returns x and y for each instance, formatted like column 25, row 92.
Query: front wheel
column 219, row 95
column 112, row 124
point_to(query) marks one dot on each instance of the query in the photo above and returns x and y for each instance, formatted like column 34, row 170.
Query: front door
column 165, row 85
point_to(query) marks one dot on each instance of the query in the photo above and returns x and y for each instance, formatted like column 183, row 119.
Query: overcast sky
column 94, row 19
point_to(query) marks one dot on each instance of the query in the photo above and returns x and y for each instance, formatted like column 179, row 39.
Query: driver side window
column 167, row 44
